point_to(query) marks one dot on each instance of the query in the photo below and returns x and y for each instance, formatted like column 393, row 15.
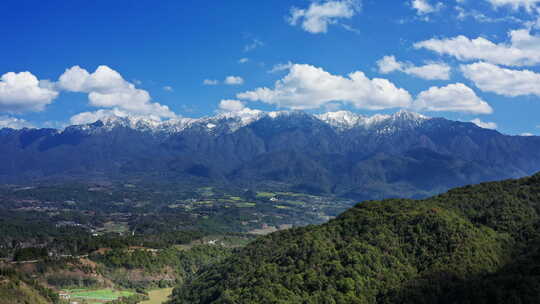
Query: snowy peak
column 345, row 120
column 404, row 115
column 342, row 119
column 229, row 122
column 110, row 122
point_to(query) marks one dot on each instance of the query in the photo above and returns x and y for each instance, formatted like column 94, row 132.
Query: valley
column 245, row 198
column 101, row 243
column 477, row 244
column 270, row 152
column 122, row 228
column 129, row 244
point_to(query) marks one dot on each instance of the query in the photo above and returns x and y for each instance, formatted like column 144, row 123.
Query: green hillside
column 14, row 291
column 477, row 244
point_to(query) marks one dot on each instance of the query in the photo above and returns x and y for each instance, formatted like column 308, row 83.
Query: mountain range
column 401, row 155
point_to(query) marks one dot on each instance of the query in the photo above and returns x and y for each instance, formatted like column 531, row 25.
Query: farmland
column 98, row 296
column 158, row 296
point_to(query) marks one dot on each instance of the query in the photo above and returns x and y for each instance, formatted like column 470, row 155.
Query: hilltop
column 477, row 244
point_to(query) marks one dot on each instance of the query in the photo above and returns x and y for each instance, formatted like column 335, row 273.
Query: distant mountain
column 400, row 155
column 478, row 244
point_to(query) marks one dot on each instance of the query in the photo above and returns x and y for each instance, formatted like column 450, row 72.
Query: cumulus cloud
column 23, row 92
column 319, row 15
column 168, row 89
column 234, row 80
column 106, row 88
column 451, row 98
column 484, row 124
column 229, row 80
column 528, row 5
column 423, row 7
column 14, row 123
column 231, row 105
column 243, row 60
column 430, row 71
column 229, row 108
column 492, row 78
column 310, row 87
column 522, row 50
column 91, row 117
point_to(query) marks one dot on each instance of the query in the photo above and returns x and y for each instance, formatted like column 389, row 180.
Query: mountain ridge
column 338, row 119
column 404, row 154
column 476, row 244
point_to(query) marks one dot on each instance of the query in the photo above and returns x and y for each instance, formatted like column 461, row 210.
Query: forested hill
column 477, row 244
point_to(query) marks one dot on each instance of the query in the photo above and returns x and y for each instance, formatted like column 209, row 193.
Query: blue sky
column 460, row 59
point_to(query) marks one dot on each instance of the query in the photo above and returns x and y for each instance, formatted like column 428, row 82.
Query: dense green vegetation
column 77, row 219
column 181, row 265
column 18, row 288
column 477, row 244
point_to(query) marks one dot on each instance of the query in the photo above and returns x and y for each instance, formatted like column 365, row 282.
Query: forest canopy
column 477, row 244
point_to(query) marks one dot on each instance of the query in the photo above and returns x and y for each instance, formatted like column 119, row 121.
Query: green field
column 158, row 296
column 265, row 194
column 246, row 205
column 98, row 295
column 297, row 203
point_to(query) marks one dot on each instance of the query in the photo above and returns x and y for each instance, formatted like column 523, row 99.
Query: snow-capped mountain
column 404, row 154
column 233, row 121
column 345, row 120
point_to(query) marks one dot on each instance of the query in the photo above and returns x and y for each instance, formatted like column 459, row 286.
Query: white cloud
column 309, row 87
column 234, row 80
column 210, row 82
column 492, row 78
column 91, row 117
column 484, row 124
column 168, row 88
column 319, row 15
column 526, row 134
column 55, row 124
column 230, row 105
column 451, row 98
column 23, row 92
column 423, row 7
column 528, row 5
column 351, row 29
column 281, row 67
column 482, row 18
column 430, row 71
column 14, row 123
column 255, row 43
column 229, row 80
column 389, row 64
column 107, row 88
column 523, row 48
column 243, row 60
